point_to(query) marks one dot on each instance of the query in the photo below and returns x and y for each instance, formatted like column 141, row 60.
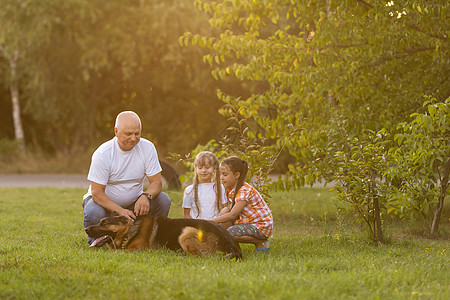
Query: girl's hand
column 230, row 215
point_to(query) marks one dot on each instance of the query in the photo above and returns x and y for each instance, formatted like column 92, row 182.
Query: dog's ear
column 114, row 214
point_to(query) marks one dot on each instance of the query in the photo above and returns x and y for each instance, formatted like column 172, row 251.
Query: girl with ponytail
column 205, row 198
column 248, row 217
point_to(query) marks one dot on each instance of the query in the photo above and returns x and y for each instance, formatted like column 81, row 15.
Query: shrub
column 422, row 162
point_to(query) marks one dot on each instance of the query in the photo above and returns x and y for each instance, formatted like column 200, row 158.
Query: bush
column 361, row 181
column 422, row 162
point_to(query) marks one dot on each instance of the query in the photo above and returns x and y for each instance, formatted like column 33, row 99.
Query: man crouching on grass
column 117, row 172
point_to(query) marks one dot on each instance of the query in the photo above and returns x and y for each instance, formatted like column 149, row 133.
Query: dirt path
column 57, row 180
column 44, row 180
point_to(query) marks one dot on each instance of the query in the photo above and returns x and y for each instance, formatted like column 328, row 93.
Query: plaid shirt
column 255, row 212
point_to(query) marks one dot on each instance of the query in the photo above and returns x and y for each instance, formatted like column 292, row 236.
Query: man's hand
column 126, row 213
column 99, row 197
column 142, row 206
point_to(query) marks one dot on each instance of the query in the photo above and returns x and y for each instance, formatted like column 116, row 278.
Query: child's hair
column 237, row 165
column 200, row 160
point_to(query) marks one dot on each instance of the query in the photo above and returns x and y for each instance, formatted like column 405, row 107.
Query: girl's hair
column 235, row 164
column 200, row 160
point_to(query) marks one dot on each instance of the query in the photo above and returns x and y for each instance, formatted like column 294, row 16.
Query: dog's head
column 111, row 226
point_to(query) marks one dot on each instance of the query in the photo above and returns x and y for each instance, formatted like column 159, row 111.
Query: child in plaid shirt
column 248, row 219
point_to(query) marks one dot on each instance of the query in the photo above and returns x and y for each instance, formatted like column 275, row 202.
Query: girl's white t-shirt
column 206, row 201
column 123, row 172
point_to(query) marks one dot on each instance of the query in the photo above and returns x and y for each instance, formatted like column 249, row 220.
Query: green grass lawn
column 315, row 254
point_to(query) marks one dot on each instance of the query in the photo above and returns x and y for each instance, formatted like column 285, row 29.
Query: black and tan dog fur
column 193, row 236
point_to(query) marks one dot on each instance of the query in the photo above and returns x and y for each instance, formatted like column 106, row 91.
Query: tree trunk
column 18, row 128
column 376, row 207
column 438, row 211
column 376, row 210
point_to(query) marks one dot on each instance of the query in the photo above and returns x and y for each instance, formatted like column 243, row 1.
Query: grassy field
column 315, row 254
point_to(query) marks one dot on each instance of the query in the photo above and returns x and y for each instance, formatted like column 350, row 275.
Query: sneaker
column 263, row 249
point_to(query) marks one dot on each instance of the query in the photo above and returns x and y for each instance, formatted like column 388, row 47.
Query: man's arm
column 142, row 206
column 99, row 197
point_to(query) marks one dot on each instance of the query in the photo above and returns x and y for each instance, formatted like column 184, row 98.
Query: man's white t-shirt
column 123, row 172
column 206, row 201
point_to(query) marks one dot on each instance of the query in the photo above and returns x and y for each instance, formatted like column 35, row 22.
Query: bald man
column 118, row 169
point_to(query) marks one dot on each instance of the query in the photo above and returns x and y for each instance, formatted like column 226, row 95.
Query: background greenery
column 342, row 81
column 81, row 62
column 295, row 71
column 353, row 92
column 316, row 253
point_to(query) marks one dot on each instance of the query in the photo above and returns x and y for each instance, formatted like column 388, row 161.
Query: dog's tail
column 190, row 239
column 198, row 242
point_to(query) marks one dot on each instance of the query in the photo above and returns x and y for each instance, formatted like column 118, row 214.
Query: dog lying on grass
column 193, row 236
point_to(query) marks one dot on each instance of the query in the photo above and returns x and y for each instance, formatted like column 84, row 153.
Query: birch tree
column 14, row 90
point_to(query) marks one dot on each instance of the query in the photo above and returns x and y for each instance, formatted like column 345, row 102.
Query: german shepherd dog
column 193, row 236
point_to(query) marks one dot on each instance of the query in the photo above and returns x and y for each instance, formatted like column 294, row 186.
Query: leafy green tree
column 422, row 163
column 361, row 179
column 368, row 62
column 335, row 72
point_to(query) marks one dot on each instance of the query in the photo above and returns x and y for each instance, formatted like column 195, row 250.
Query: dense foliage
column 364, row 64
column 421, row 163
column 81, row 62
column 336, row 73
